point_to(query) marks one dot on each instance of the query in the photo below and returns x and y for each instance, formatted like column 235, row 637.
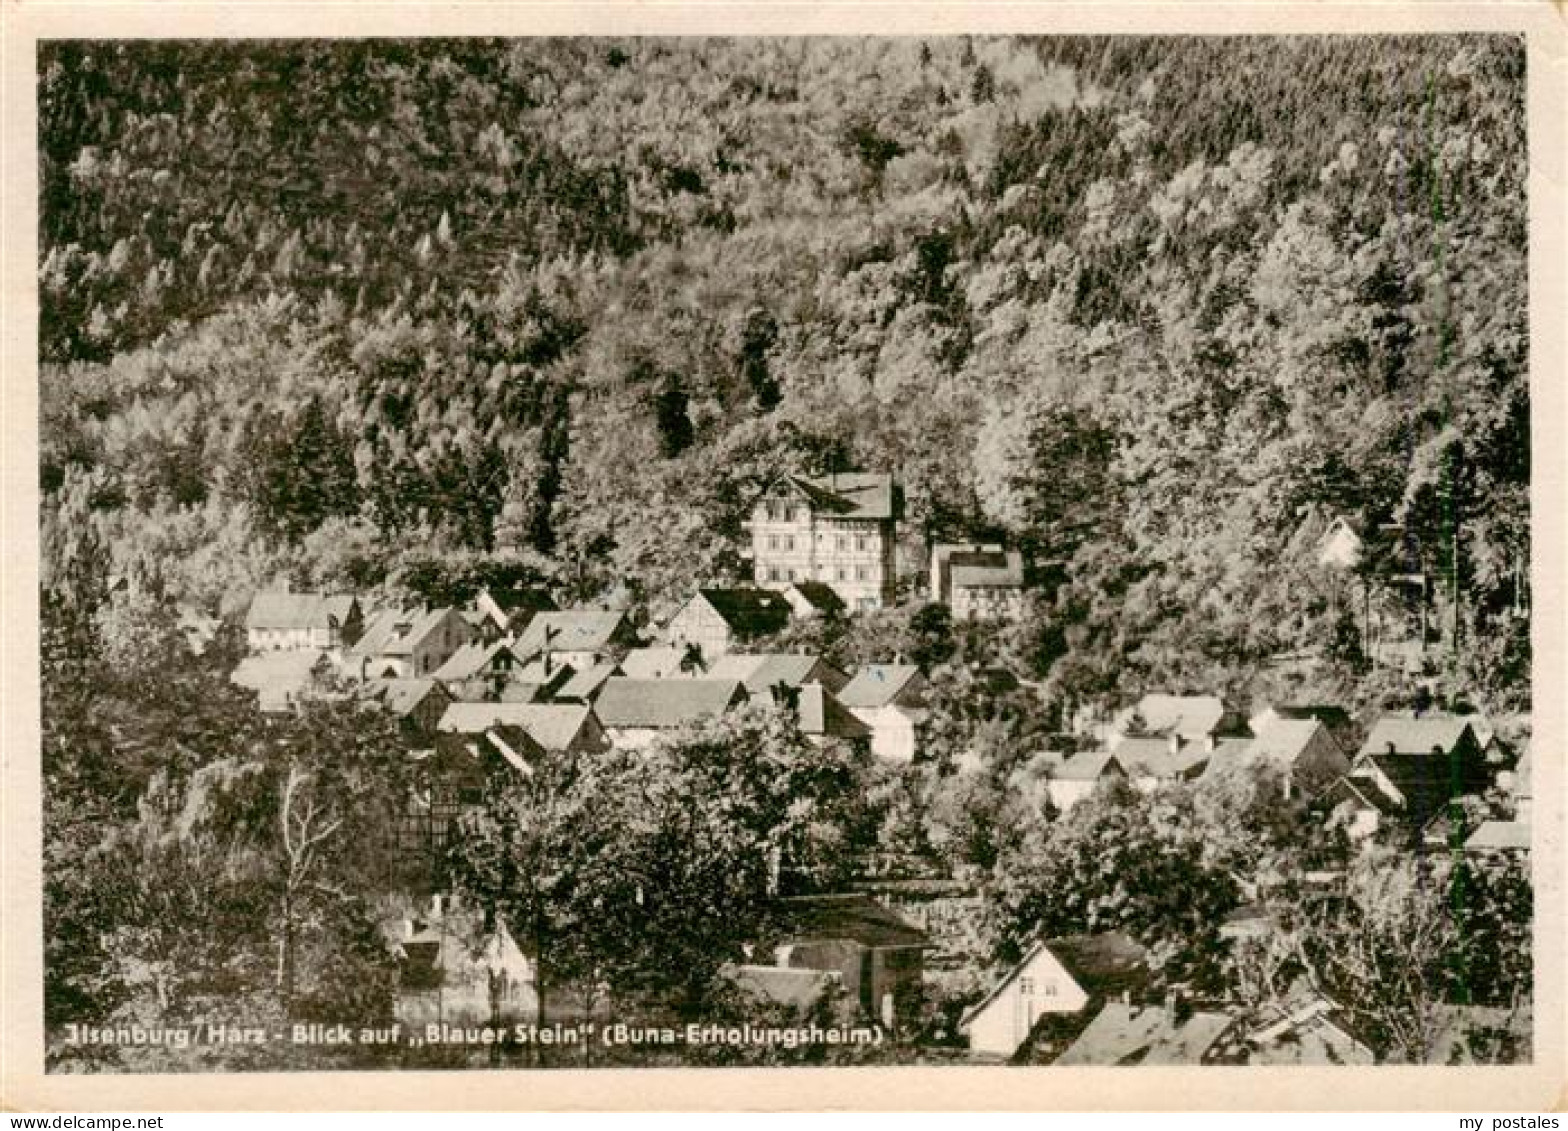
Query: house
column 660, row 663
column 809, row 599
column 875, row 952
column 284, row 679
column 454, row 968
column 1499, row 837
column 1521, row 784
column 1076, row 777
column 485, row 666
column 1153, row 761
column 890, row 699
column 505, row 613
column 1054, row 976
column 417, row 703
column 822, row 718
column 1338, row 721
column 714, row 621
column 1193, row 717
column 1303, row 750
column 580, row 638
column 840, row 530
column 554, row 728
column 635, row 712
column 1339, row 547
column 1309, row 1029
column 978, row 582
column 1356, row 805
column 1126, row 1034
column 1420, row 765
column 407, row 643
column 302, row 620
column 765, row 671
column 584, row 686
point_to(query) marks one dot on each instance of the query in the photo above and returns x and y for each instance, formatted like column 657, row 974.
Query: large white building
column 839, row 530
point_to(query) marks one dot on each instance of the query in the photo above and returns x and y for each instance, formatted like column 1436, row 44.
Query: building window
column 842, row 543
column 773, row 573
column 773, row 541
column 843, row 574
column 860, row 573
column 1026, row 986
column 789, row 542
column 792, row 575
column 860, row 543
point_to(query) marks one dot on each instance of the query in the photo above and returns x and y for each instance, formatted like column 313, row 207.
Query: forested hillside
column 350, row 313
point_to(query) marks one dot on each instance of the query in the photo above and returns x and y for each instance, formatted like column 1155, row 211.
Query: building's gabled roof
column 1088, row 765
column 1334, row 717
column 877, row 685
column 1500, row 836
column 1191, row 716
column 858, row 495
column 782, row 985
column 663, row 703
column 655, row 663
column 1130, row 1034
column 764, row 671
column 749, row 613
column 822, row 714
column 1154, row 758
column 1404, row 734
column 400, row 696
column 584, row 685
column 985, row 569
column 471, row 659
column 850, row 916
column 1425, row 784
column 1308, row 1029
column 1105, row 963
column 817, row 595
column 299, row 610
column 1357, row 792
column 1282, row 741
column 554, row 726
column 572, row 630
column 397, row 632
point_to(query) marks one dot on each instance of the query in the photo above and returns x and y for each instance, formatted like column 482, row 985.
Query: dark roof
column 1426, row 784
column 821, row 713
column 522, row 599
column 748, row 612
column 661, row 703
column 857, row 918
column 877, row 685
column 819, row 595
column 856, row 494
column 978, row 569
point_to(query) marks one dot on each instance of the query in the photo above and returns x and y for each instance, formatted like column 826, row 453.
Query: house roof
column 1129, row 1034
column 1403, row 734
column 1425, row 783
column 1500, row 836
column 400, row 696
column 660, row 703
column 1284, row 740
column 584, row 684
column 748, row 612
column 298, row 610
column 782, row 985
column 822, row 714
column 653, row 663
column 877, row 685
column 572, row 630
column 471, row 659
column 869, row 495
column 382, row 637
column 554, row 726
column 1334, row 717
column 982, row 569
column 1309, row 1030
column 1087, row 765
column 1153, row 757
column 1191, row 716
column 762, row 672
column 817, row 594
column 852, row 916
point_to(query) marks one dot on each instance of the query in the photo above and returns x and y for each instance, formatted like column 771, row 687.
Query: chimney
column 1391, row 749
column 1175, row 743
